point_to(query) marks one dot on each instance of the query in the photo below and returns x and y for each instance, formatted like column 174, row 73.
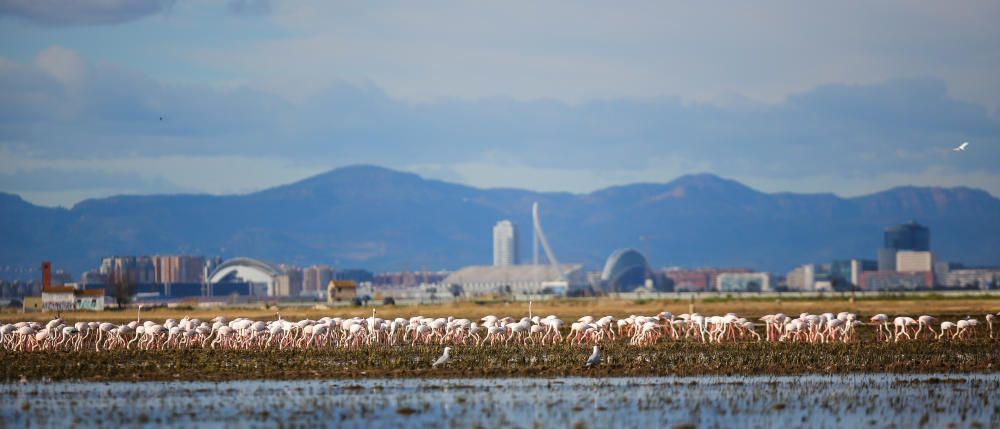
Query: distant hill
column 365, row 216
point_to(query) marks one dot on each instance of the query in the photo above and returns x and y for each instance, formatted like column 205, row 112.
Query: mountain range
column 386, row 220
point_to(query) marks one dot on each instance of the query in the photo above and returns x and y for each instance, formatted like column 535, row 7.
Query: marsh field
column 678, row 383
column 865, row 354
column 414, row 361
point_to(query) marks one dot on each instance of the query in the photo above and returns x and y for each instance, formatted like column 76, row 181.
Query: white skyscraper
column 504, row 244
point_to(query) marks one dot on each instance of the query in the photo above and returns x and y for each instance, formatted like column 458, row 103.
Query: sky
column 106, row 97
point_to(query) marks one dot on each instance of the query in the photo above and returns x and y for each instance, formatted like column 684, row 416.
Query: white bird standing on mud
column 594, row 359
column 443, row 359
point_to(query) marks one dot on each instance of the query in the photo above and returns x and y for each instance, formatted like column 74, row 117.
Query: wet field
column 414, row 361
column 857, row 400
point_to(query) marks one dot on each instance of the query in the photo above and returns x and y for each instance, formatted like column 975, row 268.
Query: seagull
column 444, row 358
column 961, row 147
column 594, row 358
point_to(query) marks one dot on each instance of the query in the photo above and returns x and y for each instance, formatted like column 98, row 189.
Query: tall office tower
column 145, row 269
column 504, row 244
column 289, row 282
column 886, row 259
column 908, row 236
column 171, row 269
column 315, row 278
column 127, row 266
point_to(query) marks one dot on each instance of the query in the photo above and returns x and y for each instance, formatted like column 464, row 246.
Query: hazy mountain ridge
column 366, row 216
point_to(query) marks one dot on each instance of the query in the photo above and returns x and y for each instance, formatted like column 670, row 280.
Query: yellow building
column 32, row 304
column 340, row 290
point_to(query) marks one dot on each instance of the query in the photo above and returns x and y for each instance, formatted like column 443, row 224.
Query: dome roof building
column 624, row 271
column 260, row 274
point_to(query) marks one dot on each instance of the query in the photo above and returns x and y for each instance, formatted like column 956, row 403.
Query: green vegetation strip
column 414, row 361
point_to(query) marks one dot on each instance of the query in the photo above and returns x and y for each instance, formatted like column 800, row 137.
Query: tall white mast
column 540, row 237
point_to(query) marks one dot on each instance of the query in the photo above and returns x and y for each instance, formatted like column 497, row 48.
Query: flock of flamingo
column 243, row 333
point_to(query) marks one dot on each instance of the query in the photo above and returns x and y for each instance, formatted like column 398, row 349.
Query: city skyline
column 157, row 268
column 183, row 277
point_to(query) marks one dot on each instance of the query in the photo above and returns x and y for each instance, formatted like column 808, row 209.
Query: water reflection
column 905, row 401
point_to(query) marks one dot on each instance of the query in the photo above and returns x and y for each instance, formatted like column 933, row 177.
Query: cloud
column 217, row 174
column 82, row 12
column 62, row 64
column 59, row 104
column 69, row 112
column 50, row 179
column 249, row 7
column 583, row 51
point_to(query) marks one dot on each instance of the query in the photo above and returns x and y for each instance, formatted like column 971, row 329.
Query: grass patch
column 947, row 307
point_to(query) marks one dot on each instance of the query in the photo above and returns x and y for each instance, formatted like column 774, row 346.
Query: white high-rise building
column 802, row 278
column 504, row 244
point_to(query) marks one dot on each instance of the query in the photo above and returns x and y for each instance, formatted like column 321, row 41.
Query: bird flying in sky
column 961, row 147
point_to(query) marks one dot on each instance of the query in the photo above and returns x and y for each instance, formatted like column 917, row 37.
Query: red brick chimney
column 46, row 274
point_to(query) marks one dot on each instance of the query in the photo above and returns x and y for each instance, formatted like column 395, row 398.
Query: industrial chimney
column 46, row 274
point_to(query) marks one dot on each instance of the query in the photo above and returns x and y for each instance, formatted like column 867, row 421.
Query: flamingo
column 357, row 332
column 901, row 323
column 925, row 321
column 962, row 326
column 945, row 327
column 882, row 322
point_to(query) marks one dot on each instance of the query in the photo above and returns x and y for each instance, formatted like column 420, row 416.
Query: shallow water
column 861, row 400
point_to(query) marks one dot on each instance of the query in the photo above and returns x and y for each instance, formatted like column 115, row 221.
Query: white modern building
column 914, row 261
column 743, row 282
column 504, row 244
column 982, row 278
column 517, row 279
column 802, row 278
column 262, row 276
column 315, row 280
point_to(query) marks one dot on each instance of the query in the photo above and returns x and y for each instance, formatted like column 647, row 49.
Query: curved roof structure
column 244, row 269
column 511, row 273
column 624, row 270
